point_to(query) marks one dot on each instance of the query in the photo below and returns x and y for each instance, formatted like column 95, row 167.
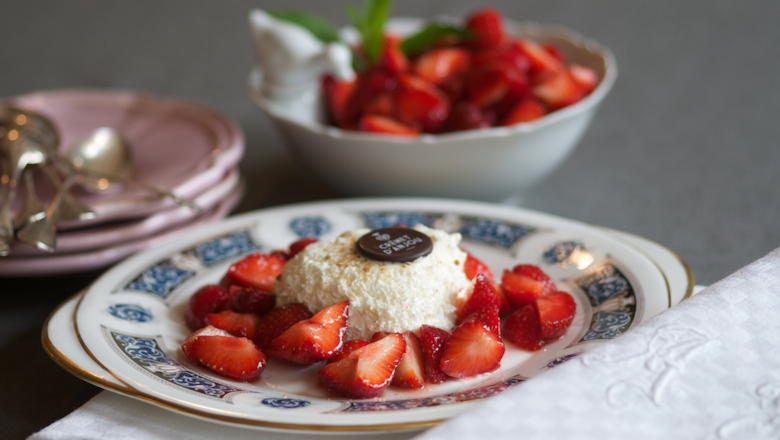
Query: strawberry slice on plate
column 230, row 356
column 208, row 299
column 237, row 324
column 522, row 328
column 410, row 372
column 276, row 322
column 472, row 349
column 299, row 246
column 251, row 300
column 473, row 266
column 348, row 348
column 257, row 270
column 319, row 338
column 482, row 305
column 367, row 371
column 556, row 312
column 432, row 340
column 524, row 283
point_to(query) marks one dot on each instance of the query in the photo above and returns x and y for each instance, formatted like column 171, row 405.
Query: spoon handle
column 42, row 233
column 181, row 200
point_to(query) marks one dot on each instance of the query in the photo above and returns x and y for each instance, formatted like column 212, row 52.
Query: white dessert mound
column 385, row 296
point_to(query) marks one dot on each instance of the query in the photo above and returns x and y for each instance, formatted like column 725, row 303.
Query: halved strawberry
column 276, row 322
column 318, row 338
column 237, row 324
column 441, row 64
column 348, row 348
column 366, row 371
column 393, row 60
column 383, row 124
column 542, row 61
column 432, row 340
column 487, row 25
column 585, row 77
column 487, row 86
column 526, row 111
column 472, row 349
column 251, row 300
column 482, row 304
column 524, row 283
column 556, row 312
column 420, row 104
column 410, row 372
column 522, row 328
column 473, row 266
column 370, row 84
column 256, row 270
column 338, row 95
column 382, row 104
column 467, row 116
column 230, row 356
column 208, row 299
column 299, row 245
column 559, row 90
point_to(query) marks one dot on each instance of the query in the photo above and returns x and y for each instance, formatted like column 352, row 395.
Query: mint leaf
column 370, row 25
column 430, row 35
column 319, row 27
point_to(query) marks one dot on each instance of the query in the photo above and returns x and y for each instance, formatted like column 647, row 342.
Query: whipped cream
column 385, row 296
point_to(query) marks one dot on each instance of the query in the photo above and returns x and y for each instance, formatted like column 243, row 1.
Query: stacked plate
column 180, row 146
column 125, row 331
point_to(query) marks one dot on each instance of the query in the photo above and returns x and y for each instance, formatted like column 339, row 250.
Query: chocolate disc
column 396, row 245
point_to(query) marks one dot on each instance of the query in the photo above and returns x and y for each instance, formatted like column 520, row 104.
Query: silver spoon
column 42, row 233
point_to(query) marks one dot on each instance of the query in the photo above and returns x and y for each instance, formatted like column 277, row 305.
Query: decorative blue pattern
column 160, row 279
column 559, row 360
column 493, row 232
column 277, row 402
column 146, row 354
column 310, row 226
column 378, row 220
column 130, row 312
column 446, row 399
column 561, row 251
column 225, row 247
column 613, row 300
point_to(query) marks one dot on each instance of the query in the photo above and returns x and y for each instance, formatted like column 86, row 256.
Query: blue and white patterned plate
column 131, row 319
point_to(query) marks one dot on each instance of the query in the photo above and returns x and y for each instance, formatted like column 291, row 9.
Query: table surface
column 683, row 151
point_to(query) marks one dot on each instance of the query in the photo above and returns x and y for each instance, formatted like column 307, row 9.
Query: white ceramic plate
column 178, row 145
column 130, row 320
column 101, row 257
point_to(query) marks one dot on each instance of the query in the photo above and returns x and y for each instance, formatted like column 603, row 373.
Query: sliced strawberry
column 251, row 300
column 472, row 349
column 366, row 371
column 410, row 372
column 385, row 125
column 542, row 61
column 473, row 266
column 522, row 328
column 257, row 270
column 487, row 86
column 383, row 104
column 338, row 95
column 558, row 90
column 208, row 299
column 432, row 340
column 526, row 111
column 467, row 116
column 482, row 304
column 230, row 356
column 505, row 306
column 554, row 51
column 318, row 338
column 441, row 64
column 237, row 324
column 299, row 245
column 370, row 84
column 487, row 25
column 348, row 348
column 556, row 312
column 276, row 322
column 524, row 283
column 208, row 330
column 585, row 77
column 420, row 104
column 393, row 60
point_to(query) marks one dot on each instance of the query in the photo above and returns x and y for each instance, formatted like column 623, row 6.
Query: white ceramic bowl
column 490, row 164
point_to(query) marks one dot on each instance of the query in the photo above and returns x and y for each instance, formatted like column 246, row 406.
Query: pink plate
column 178, row 145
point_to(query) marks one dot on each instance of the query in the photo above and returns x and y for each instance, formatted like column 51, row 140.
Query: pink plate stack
column 186, row 148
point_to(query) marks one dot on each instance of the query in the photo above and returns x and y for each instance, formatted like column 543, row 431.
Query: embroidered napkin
column 708, row 368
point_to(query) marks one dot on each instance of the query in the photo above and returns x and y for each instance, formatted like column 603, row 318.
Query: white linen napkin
column 708, row 368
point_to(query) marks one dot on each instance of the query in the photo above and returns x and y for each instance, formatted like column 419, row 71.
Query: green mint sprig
column 370, row 24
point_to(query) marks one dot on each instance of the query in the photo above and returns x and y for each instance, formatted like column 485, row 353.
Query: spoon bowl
column 105, row 153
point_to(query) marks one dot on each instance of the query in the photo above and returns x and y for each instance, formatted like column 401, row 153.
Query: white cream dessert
column 385, row 296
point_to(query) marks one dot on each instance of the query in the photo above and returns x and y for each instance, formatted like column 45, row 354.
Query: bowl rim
column 593, row 99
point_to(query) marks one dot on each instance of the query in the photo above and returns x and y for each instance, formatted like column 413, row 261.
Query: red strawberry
column 383, row 124
column 440, row 65
column 251, row 300
column 586, row 78
column 482, row 305
column 338, row 95
column 487, row 26
column 256, row 270
column 420, row 104
column 526, row 111
column 299, row 245
column 392, row 59
column 230, row 356
column 432, row 340
column 556, row 312
column 472, row 349
column 524, row 283
column 348, row 348
column 318, row 338
column 208, row 299
column 276, row 322
column 542, row 61
column 370, row 84
column 410, row 372
column 237, row 324
column 558, row 90
column 473, row 266
column 383, row 104
column 522, row 328
column 467, row 116
column 487, row 86
column 366, row 371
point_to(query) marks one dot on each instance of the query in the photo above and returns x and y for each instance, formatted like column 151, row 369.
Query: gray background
column 683, row 151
